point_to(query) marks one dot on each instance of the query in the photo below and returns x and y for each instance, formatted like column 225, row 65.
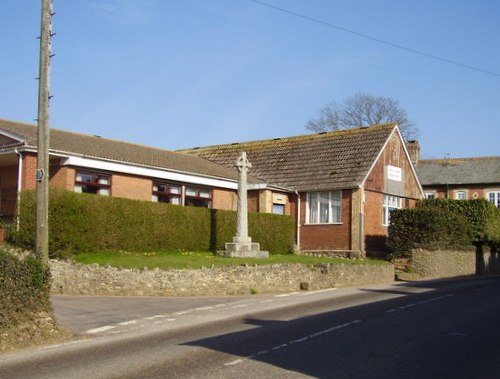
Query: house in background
column 340, row 186
column 461, row 178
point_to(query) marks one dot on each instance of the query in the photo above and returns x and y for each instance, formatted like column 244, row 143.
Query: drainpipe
column 298, row 220
column 19, row 185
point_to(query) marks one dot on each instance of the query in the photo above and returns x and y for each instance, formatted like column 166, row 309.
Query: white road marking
column 287, row 294
column 419, row 303
column 308, row 293
column 101, row 329
column 203, row 308
column 240, row 306
column 182, row 313
column 299, row 340
column 153, row 317
column 131, row 322
column 235, row 362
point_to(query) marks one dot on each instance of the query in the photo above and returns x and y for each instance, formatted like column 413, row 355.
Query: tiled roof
column 102, row 148
column 483, row 170
column 330, row 160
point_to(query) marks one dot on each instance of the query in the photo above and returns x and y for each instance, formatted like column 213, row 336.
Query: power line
column 379, row 40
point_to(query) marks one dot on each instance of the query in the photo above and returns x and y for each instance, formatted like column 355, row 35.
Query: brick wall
column 29, row 172
column 131, row 187
column 375, row 232
column 224, row 199
column 336, row 237
column 8, row 190
column 62, row 177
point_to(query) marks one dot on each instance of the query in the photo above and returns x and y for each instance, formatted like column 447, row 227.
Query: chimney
column 414, row 150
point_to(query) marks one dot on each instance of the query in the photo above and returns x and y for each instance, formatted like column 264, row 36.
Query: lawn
column 196, row 260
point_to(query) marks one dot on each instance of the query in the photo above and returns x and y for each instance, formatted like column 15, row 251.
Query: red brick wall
column 29, row 171
column 8, row 190
column 224, row 199
column 327, row 236
column 62, row 177
column 131, row 187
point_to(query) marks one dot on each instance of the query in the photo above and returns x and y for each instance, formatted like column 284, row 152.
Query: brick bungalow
column 461, row 178
column 92, row 164
column 339, row 186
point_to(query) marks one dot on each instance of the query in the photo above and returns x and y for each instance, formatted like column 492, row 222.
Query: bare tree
column 361, row 110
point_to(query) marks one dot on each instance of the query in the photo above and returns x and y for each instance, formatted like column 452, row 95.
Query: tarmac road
column 435, row 329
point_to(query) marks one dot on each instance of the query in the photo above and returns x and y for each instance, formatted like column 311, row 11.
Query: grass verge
column 196, row 259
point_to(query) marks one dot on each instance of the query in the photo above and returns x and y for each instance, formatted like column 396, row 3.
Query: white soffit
column 148, row 172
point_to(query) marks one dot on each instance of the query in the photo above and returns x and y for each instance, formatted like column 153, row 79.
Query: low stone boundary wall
column 77, row 279
column 443, row 263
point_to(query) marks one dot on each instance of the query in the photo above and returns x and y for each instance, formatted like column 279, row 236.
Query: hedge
column 443, row 224
column 85, row 222
column 25, row 294
column 483, row 217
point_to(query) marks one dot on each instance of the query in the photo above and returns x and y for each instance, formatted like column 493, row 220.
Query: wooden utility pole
column 42, row 172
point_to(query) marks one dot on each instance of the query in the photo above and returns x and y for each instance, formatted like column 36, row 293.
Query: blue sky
column 185, row 73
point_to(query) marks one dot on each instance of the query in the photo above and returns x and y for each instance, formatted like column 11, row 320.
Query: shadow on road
column 418, row 335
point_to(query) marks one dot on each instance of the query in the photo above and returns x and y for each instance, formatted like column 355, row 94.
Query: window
column 390, row 203
column 279, row 209
column 430, row 195
column 167, row 193
column 461, row 195
column 198, row 197
column 324, row 207
column 91, row 182
column 494, row 198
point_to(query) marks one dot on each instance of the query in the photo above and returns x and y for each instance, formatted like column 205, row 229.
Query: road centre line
column 287, row 294
column 403, row 307
column 101, row 329
column 203, row 308
column 299, row 340
column 131, row 322
column 182, row 313
column 308, row 293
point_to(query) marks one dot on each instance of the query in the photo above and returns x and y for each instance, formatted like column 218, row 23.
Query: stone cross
column 243, row 165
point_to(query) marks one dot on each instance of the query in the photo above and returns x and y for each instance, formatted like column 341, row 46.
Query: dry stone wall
column 77, row 279
column 443, row 263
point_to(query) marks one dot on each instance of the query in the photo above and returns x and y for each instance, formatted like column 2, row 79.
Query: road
column 436, row 329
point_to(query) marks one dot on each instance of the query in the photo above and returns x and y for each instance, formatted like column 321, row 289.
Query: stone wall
column 443, row 263
column 77, row 279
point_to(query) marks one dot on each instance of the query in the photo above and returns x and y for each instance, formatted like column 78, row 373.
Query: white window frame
column 430, row 195
column 390, row 203
column 324, row 207
column 494, row 197
column 460, row 195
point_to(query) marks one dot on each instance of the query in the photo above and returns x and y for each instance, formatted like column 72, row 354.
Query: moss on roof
column 328, row 160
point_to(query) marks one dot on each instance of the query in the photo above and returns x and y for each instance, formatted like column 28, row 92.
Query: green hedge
column 25, row 291
column 85, row 223
column 443, row 224
column 483, row 217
